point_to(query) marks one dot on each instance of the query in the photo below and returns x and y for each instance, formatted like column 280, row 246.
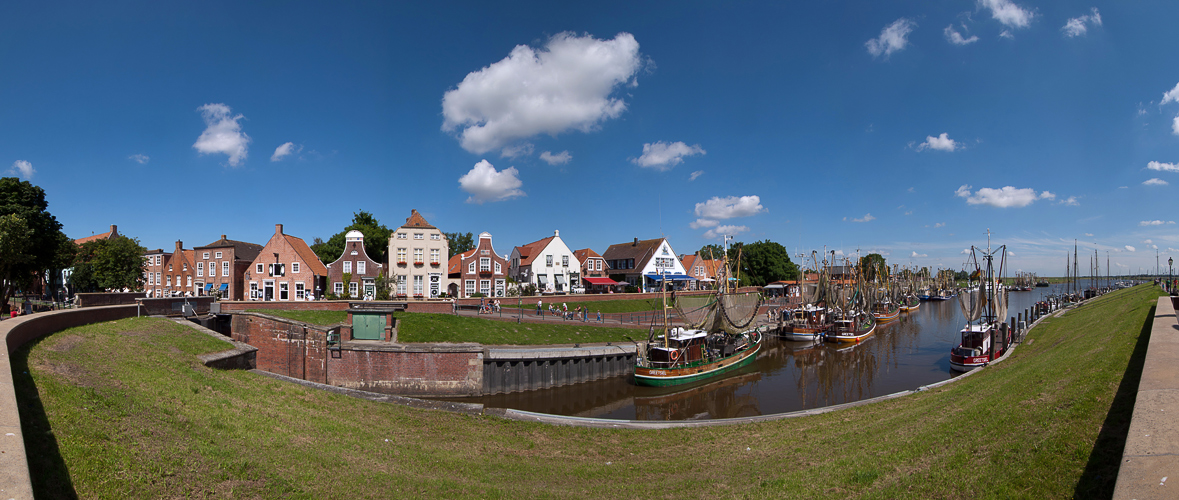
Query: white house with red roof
column 547, row 263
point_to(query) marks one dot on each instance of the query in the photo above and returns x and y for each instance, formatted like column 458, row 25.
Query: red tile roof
column 585, row 253
column 104, row 236
column 415, row 219
column 455, row 264
column 306, row 254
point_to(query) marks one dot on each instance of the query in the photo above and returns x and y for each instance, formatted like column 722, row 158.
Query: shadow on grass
column 51, row 476
column 1101, row 473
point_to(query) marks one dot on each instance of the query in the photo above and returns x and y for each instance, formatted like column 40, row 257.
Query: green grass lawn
column 606, row 306
column 427, row 327
column 123, row 410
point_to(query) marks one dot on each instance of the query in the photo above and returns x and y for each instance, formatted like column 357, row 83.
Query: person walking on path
column 538, row 310
column 599, row 316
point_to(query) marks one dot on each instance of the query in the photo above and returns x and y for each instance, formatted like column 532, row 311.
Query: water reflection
column 786, row 376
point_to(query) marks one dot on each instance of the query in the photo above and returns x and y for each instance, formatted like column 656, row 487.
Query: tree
column 712, row 251
column 765, row 262
column 460, row 242
column 873, row 265
column 376, row 239
column 44, row 242
column 108, row 264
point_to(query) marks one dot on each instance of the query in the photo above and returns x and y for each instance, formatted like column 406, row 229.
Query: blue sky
column 905, row 128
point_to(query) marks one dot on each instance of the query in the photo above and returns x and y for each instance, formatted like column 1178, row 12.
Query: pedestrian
column 599, row 316
column 538, row 312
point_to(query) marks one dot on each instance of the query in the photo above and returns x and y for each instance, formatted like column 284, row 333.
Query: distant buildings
column 416, row 254
column 285, row 269
column 362, row 271
column 221, row 266
column 547, row 263
column 479, row 270
column 646, row 263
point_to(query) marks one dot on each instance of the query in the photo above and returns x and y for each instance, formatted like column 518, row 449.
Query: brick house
column 479, row 270
column 285, row 269
column 643, row 263
column 595, row 274
column 154, row 266
column 220, row 266
column 702, row 269
column 546, row 263
column 356, row 262
column 415, row 258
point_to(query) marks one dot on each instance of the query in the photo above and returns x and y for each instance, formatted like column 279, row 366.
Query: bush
column 631, row 289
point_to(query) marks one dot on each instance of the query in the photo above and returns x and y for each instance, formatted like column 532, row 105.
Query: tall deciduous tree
column 873, row 265
column 376, row 239
column 44, row 237
column 460, row 242
column 108, row 264
column 765, row 262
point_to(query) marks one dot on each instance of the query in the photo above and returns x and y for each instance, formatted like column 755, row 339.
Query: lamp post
column 1170, row 262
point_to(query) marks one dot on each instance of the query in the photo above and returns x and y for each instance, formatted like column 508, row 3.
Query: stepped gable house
column 363, row 271
column 479, row 270
column 547, row 263
column 285, row 269
column 221, row 265
column 643, row 263
column 415, row 258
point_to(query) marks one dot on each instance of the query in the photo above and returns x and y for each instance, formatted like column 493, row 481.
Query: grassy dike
column 122, row 409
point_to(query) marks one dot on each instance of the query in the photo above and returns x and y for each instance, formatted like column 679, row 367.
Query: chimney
column 114, row 229
column 179, row 246
column 278, row 229
column 556, row 232
column 223, row 236
column 636, row 243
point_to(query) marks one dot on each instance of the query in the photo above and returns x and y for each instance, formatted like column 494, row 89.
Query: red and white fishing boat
column 984, row 338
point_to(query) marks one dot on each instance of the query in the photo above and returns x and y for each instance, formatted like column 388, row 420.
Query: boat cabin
column 976, row 341
column 683, row 346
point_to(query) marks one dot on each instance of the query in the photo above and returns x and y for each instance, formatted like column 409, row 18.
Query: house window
column 169, row 267
column 169, row 280
column 484, row 264
column 294, row 267
column 258, row 270
column 205, row 255
column 158, row 278
column 435, row 237
column 498, row 268
column 352, row 287
column 360, row 267
column 347, row 266
column 417, row 256
column 217, row 255
column 548, row 261
column 565, row 260
column 470, row 287
column 400, row 255
column 417, row 284
column 225, row 268
column 284, row 290
column 471, row 267
column 485, row 287
column 435, row 255
column 300, row 292
column 189, row 280
column 151, row 279
column 400, row 284
column 200, row 269
column 184, row 266
column 600, row 264
column 253, row 289
column 401, row 236
column 338, row 288
column 417, row 236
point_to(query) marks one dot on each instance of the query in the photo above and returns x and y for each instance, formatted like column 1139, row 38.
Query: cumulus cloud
column 22, row 169
column 1008, row 13
column 286, row 149
column 1004, row 197
column 956, row 38
column 699, row 223
column 1089, row 234
column 1155, row 222
column 1011, row 254
column 556, row 159
column 1006, row 34
column 940, row 224
column 729, row 207
column 485, row 184
column 721, row 231
column 223, row 133
column 565, row 85
column 1171, row 95
column 1078, row 26
column 942, row 142
column 140, row 159
column 1071, row 201
column 695, row 175
column 662, row 156
column 1154, row 182
column 892, row 38
column 1130, row 248
column 517, row 150
column 1148, row 241
column 865, row 218
column 915, row 254
column 1163, row 167
column 965, row 251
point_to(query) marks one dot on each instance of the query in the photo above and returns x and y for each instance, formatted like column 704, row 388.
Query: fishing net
column 972, row 303
column 697, row 311
column 738, row 310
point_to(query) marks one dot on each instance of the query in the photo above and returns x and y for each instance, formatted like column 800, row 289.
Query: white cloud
column 223, row 133
column 915, row 254
column 140, row 159
column 699, row 223
column 940, row 224
column 942, row 142
column 565, row 85
column 1089, row 234
column 721, row 231
column 1071, row 201
column 718, row 208
column 1148, row 241
column 1154, row 222
column 1011, row 254
column 839, row 253
column 1155, row 182
column 556, row 159
column 1006, row 34
column 486, row 184
column 518, row 150
column 23, row 169
column 1130, row 248
column 1008, row 13
column 1175, row 126
column 892, row 38
column 695, row 175
column 1078, row 26
column 1163, row 167
column 285, row 150
column 865, row 218
column 1004, row 197
column 662, row 156
column 965, row 251
column 956, row 38
column 1171, row 95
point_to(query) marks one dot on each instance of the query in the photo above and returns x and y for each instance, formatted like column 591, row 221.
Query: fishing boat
column 853, row 318
column 811, row 320
column 717, row 337
column 984, row 305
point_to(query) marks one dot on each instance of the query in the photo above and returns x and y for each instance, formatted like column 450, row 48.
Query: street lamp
column 1170, row 261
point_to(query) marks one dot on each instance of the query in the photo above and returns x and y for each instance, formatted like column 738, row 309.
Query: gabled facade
column 113, row 233
column 221, row 266
column 285, row 269
column 362, row 270
column 416, row 258
column 547, row 263
column 702, row 270
column 643, row 263
column 155, row 264
column 479, row 270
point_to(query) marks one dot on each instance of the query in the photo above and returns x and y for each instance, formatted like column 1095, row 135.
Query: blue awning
column 224, row 286
column 669, row 277
column 209, row 286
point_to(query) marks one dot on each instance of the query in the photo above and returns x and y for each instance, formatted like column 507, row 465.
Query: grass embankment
column 605, row 306
column 134, row 415
column 427, row 327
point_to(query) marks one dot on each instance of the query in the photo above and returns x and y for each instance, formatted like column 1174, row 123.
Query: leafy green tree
column 108, row 264
column 44, row 237
column 712, row 251
column 460, row 242
column 873, row 265
column 765, row 262
column 376, row 239
column 383, row 286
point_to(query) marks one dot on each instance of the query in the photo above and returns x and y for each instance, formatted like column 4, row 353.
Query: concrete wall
column 15, row 481
column 107, row 298
column 173, row 306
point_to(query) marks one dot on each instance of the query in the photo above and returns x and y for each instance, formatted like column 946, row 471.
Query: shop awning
column 542, row 279
column 669, row 277
column 224, row 286
column 600, row 281
column 560, row 279
column 208, row 287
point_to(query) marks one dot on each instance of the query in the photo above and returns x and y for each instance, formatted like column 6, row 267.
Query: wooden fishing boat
column 886, row 311
column 852, row 329
column 984, row 338
column 805, row 323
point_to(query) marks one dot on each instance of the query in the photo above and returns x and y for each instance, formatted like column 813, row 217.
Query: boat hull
column 666, row 377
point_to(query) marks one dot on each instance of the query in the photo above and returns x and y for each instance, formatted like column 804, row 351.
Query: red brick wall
column 426, row 306
column 287, row 348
